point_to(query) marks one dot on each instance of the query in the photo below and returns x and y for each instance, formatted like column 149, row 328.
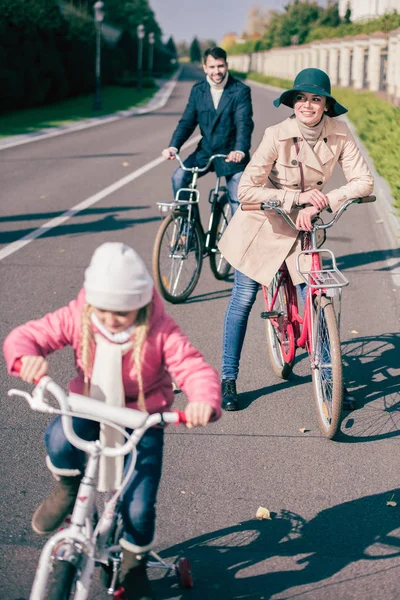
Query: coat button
column 294, row 162
column 325, row 140
column 320, row 182
column 295, row 185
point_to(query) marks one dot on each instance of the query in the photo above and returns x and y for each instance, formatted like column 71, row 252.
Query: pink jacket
column 167, row 352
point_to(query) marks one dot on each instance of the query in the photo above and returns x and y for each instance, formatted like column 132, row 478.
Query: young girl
column 125, row 347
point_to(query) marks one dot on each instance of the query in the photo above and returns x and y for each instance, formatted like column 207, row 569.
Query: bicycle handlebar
column 84, row 407
column 198, row 169
column 276, row 206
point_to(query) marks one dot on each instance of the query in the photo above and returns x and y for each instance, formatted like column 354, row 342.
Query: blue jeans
column 181, row 178
column 243, row 297
column 139, row 498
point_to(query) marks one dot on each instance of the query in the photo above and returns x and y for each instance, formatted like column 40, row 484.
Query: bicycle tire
column 327, row 382
column 61, row 581
column 280, row 332
column 167, row 269
column 222, row 215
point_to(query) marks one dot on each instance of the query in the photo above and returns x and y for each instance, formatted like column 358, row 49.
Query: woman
column 294, row 161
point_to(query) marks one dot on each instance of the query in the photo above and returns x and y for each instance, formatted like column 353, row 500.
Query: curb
column 384, row 206
column 158, row 101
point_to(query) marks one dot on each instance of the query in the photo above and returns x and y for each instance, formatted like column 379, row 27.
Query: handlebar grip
column 181, row 417
column 17, row 367
column 252, row 206
column 367, row 199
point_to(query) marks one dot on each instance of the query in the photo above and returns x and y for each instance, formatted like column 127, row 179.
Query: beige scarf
column 311, row 134
column 106, row 385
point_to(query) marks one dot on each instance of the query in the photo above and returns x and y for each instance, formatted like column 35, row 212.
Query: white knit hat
column 117, row 279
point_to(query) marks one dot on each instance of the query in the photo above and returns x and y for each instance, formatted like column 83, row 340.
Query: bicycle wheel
column 279, row 330
column 222, row 215
column 327, row 376
column 177, row 257
column 61, row 582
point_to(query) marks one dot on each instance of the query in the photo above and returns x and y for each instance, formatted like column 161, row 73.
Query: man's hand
column 33, row 367
column 235, row 156
column 169, row 153
column 315, row 198
column 198, row 413
column 303, row 221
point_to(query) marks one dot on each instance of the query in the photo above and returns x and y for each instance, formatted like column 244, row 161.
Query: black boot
column 229, row 395
column 349, row 402
column 134, row 578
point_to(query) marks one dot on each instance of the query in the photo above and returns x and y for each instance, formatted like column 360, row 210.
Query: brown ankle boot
column 134, row 578
column 52, row 512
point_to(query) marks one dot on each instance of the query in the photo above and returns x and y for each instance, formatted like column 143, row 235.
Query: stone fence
column 370, row 62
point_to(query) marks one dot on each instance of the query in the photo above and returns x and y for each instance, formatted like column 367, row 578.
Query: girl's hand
column 315, row 198
column 33, row 367
column 198, row 413
column 303, row 221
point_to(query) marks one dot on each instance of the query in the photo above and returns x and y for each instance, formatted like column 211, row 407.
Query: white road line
column 57, row 221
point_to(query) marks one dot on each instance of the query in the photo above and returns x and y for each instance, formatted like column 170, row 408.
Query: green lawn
column 114, row 99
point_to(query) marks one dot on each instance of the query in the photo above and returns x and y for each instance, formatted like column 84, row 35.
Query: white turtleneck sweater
column 217, row 89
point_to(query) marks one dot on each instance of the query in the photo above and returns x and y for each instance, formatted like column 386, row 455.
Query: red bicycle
column 318, row 329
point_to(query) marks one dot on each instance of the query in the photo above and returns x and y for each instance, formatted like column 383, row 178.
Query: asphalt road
column 332, row 534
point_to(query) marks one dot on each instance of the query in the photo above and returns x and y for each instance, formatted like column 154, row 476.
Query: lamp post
column 98, row 17
column 140, row 35
column 151, row 52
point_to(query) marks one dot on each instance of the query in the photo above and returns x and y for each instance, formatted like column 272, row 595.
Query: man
column 221, row 106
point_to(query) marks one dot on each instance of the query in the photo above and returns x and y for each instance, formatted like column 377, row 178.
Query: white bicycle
column 90, row 540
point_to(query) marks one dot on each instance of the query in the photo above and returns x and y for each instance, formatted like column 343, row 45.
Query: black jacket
column 225, row 129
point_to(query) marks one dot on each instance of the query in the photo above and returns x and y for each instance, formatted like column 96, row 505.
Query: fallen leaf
column 125, row 164
column 263, row 513
column 354, row 331
column 379, row 221
column 61, row 250
column 183, row 492
column 42, row 197
column 391, row 502
column 304, row 430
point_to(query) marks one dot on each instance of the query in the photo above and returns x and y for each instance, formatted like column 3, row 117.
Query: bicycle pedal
column 270, row 314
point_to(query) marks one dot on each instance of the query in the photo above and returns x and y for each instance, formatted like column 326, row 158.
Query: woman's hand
column 198, row 413
column 33, row 367
column 303, row 221
column 315, row 198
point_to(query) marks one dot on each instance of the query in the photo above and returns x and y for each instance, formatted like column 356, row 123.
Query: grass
column 114, row 99
column 377, row 123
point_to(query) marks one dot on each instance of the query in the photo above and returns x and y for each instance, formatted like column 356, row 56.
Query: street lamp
column 98, row 17
column 151, row 51
column 140, row 35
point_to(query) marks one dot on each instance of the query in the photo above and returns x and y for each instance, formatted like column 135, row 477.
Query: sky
column 206, row 19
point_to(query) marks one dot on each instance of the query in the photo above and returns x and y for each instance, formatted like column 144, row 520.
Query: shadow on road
column 372, row 368
column 225, row 562
column 108, row 223
column 52, row 215
column 209, row 296
column 247, row 398
column 352, row 261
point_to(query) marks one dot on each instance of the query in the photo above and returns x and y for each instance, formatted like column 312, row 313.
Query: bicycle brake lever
column 34, row 403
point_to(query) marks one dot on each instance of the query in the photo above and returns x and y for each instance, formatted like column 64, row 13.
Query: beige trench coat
column 256, row 243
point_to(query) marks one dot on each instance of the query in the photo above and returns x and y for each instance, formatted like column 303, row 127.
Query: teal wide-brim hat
column 313, row 81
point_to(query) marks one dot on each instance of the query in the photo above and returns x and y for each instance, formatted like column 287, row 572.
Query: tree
column 170, row 45
column 347, row 16
column 195, row 51
column 330, row 16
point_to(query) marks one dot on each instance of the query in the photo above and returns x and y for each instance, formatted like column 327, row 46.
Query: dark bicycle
column 181, row 243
